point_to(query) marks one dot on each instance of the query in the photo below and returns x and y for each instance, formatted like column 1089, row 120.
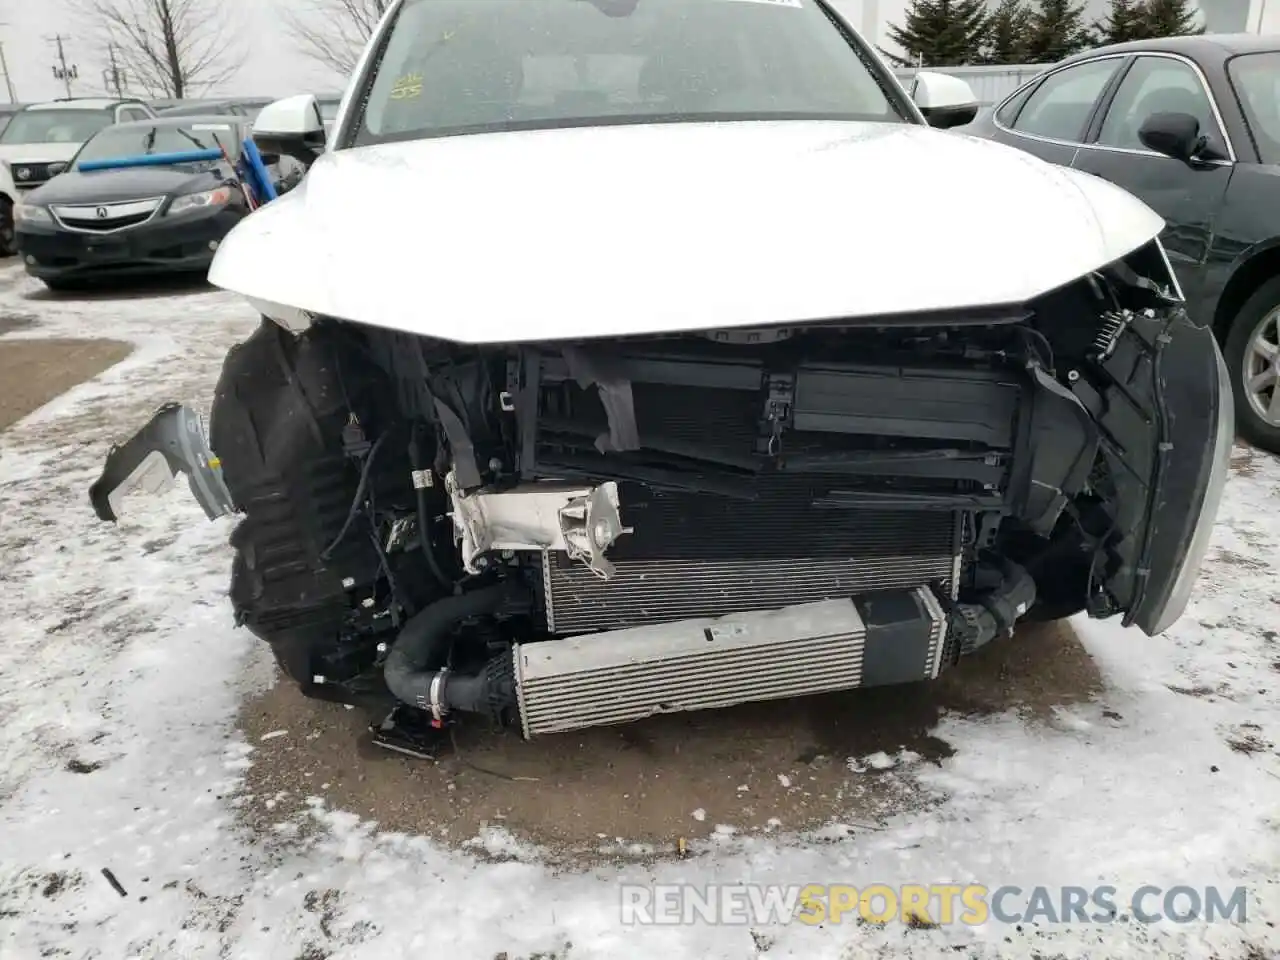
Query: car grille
column 106, row 217
column 29, row 175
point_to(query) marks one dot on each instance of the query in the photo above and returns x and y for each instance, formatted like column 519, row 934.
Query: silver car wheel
column 1262, row 369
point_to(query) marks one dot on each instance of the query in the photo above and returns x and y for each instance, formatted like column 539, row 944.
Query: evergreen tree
column 1007, row 31
column 1125, row 20
column 1170, row 18
column 1057, row 29
column 940, row 33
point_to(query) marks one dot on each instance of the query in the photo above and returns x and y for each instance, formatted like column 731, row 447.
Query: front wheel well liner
column 1245, row 280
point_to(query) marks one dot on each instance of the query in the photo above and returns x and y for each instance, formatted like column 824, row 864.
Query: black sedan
column 86, row 225
column 1191, row 125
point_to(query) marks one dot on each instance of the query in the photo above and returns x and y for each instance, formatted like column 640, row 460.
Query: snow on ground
column 120, row 674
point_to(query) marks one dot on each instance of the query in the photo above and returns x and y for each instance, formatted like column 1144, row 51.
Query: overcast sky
column 273, row 67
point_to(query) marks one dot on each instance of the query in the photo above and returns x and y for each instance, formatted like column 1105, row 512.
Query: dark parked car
column 1191, row 125
column 86, row 225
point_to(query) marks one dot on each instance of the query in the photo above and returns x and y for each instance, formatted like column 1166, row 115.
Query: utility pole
column 62, row 70
column 113, row 76
column 8, row 84
column 4, row 68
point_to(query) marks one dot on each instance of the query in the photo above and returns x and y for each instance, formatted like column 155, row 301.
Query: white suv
column 43, row 135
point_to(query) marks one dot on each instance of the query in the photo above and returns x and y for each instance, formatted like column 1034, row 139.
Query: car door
column 1187, row 195
column 1051, row 117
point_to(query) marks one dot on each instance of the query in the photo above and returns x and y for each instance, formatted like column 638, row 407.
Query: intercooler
column 698, row 664
column 692, row 556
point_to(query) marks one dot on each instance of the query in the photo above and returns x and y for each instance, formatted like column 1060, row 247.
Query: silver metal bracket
column 581, row 521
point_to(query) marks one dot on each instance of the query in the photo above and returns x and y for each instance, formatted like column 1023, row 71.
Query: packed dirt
column 639, row 788
column 33, row 372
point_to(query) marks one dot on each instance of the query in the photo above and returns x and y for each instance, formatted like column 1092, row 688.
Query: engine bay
column 566, row 534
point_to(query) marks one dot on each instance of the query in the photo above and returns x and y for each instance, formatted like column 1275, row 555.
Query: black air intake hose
column 414, row 669
column 974, row 625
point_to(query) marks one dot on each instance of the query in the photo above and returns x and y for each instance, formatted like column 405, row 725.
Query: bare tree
column 168, row 48
column 333, row 32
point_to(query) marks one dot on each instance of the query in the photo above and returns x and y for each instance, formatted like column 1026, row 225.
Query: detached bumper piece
column 172, row 442
column 811, row 648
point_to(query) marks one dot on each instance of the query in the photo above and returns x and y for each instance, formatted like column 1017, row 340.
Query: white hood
column 18, row 153
column 607, row 231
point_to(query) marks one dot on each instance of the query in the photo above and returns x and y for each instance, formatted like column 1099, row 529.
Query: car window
column 460, row 66
column 328, row 111
column 1061, row 105
column 131, row 141
column 1009, row 111
column 1256, row 79
column 1155, row 85
column 133, row 113
column 55, row 126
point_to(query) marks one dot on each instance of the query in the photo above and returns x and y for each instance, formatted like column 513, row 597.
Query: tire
column 1255, row 378
column 8, row 234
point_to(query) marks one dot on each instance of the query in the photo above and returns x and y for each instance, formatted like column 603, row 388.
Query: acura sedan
column 145, row 216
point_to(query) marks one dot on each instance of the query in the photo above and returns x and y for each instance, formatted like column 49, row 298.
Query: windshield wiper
column 196, row 140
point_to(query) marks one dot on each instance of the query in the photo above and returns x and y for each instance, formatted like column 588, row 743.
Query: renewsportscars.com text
column 933, row 904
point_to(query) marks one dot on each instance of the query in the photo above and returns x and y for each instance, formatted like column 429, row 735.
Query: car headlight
column 31, row 213
column 200, row 201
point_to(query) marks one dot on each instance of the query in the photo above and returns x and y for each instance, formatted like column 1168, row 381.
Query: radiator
column 698, row 664
column 692, row 556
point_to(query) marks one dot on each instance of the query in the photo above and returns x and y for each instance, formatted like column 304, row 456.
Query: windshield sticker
column 203, row 127
column 775, row 3
column 408, row 87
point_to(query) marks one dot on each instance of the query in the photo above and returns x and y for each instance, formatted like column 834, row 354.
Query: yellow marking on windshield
column 407, row 87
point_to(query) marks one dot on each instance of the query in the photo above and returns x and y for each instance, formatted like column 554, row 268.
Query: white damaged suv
column 622, row 357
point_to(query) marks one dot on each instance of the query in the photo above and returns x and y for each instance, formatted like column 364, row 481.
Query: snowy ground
column 121, row 676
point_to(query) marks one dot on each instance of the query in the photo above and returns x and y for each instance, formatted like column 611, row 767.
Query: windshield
column 460, row 66
column 55, row 126
column 136, row 140
column 1256, row 78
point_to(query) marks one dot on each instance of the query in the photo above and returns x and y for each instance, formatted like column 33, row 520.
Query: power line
column 62, row 70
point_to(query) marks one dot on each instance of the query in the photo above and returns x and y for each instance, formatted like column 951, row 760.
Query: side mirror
column 1175, row 135
column 57, row 168
column 944, row 100
column 291, row 127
